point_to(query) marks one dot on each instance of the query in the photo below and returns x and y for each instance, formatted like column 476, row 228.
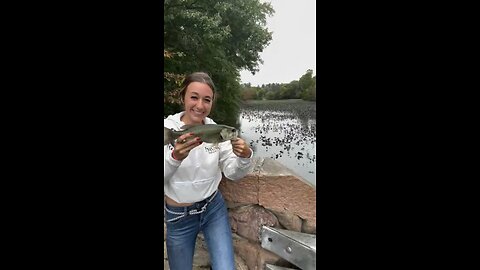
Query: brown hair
column 200, row 77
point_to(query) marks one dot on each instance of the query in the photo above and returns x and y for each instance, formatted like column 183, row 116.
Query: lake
column 284, row 130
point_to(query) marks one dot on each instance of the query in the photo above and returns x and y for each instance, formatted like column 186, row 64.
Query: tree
column 308, row 86
column 293, row 90
column 306, row 81
column 218, row 37
column 248, row 94
column 260, row 93
column 304, row 88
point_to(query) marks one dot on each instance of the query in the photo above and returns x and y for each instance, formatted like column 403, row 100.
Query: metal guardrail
column 295, row 247
column 274, row 267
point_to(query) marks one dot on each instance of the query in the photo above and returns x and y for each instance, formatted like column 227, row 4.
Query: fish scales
column 209, row 133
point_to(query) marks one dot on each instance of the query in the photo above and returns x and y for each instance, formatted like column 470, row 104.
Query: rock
column 254, row 256
column 271, row 195
column 289, row 221
column 309, row 227
column 283, row 192
column 241, row 192
column 201, row 258
column 276, row 188
column 266, row 256
column 247, row 221
column 246, row 250
column 231, row 205
column 240, row 263
column 244, row 191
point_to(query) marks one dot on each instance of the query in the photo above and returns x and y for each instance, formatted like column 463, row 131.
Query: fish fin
column 167, row 136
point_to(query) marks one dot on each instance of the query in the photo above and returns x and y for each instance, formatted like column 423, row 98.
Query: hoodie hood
column 173, row 121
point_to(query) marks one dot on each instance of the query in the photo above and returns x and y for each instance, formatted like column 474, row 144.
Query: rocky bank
column 271, row 195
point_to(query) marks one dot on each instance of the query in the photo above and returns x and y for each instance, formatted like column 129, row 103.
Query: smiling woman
column 197, row 95
column 193, row 167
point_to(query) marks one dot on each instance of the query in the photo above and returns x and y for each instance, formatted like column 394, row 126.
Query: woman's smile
column 198, row 101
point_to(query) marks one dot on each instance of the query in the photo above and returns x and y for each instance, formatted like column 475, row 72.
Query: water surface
column 284, row 131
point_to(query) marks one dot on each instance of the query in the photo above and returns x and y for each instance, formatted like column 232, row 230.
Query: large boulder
column 247, row 221
column 289, row 221
column 276, row 188
column 239, row 193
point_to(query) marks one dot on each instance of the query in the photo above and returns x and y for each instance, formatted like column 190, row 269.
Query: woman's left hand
column 241, row 148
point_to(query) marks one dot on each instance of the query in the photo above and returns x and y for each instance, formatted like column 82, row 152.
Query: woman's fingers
column 184, row 144
column 184, row 138
column 240, row 148
column 190, row 144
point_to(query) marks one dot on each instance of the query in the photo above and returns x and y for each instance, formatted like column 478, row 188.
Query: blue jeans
column 182, row 234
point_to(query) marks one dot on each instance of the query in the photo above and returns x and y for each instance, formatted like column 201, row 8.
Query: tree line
column 304, row 88
column 220, row 38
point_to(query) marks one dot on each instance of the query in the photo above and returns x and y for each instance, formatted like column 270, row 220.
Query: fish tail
column 167, row 136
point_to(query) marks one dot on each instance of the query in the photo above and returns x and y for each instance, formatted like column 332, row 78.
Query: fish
column 209, row 133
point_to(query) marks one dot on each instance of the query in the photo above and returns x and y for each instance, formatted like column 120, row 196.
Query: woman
column 193, row 171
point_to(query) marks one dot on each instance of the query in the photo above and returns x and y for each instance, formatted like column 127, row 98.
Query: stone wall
column 271, row 195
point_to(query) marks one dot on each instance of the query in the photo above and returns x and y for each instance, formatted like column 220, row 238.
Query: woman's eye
column 207, row 100
column 194, row 98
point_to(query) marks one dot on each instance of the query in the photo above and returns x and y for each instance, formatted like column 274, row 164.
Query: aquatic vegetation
column 284, row 130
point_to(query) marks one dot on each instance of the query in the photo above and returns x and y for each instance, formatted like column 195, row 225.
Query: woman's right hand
column 184, row 144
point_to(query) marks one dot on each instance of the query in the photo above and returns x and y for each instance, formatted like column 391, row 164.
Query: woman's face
column 198, row 101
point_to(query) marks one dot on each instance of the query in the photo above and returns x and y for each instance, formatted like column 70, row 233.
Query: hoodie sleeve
column 170, row 165
column 234, row 167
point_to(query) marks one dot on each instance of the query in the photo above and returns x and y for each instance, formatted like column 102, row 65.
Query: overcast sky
column 292, row 48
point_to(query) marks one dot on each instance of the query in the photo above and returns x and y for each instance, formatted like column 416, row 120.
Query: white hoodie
column 199, row 174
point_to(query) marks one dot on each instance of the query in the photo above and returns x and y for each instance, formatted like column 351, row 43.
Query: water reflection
column 285, row 131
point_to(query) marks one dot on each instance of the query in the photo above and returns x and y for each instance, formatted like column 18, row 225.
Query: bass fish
column 209, row 133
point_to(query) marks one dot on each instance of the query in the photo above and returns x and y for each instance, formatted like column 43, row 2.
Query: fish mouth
column 233, row 135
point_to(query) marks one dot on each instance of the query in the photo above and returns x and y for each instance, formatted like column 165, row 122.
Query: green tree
column 260, row 93
column 218, row 37
column 308, row 86
column 306, row 80
column 311, row 92
column 248, row 93
column 284, row 92
column 293, row 90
